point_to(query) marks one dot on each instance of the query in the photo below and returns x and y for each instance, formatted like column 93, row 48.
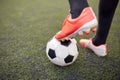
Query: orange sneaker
column 100, row 50
column 83, row 23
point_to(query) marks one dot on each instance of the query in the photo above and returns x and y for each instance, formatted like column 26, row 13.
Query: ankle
column 97, row 43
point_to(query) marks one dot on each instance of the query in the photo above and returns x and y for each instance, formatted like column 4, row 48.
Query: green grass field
column 25, row 28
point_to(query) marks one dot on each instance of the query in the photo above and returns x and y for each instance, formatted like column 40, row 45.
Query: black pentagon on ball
column 66, row 42
column 69, row 59
column 51, row 53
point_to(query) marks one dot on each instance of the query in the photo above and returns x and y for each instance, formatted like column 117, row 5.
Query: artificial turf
column 25, row 28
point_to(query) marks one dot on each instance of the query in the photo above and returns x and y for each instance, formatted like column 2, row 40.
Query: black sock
column 106, row 13
column 76, row 7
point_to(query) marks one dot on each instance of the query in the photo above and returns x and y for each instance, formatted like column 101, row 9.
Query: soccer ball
column 62, row 53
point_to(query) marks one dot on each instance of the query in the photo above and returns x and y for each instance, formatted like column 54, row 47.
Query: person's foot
column 100, row 50
column 84, row 23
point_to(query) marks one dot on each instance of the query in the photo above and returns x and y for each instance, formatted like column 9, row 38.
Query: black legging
column 76, row 7
column 106, row 12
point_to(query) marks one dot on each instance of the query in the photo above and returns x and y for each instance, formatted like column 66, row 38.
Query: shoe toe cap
column 82, row 42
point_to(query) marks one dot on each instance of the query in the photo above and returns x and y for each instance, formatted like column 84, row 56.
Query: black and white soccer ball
column 62, row 53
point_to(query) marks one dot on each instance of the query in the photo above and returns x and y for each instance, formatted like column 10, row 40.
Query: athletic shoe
column 83, row 23
column 100, row 50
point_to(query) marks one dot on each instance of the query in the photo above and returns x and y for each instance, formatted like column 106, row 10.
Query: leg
column 76, row 7
column 81, row 18
column 106, row 13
